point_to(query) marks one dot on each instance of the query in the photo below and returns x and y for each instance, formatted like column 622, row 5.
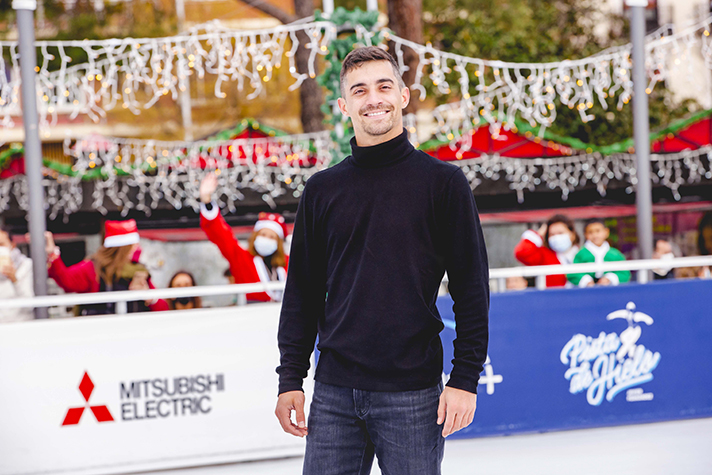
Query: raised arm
column 79, row 278
column 214, row 225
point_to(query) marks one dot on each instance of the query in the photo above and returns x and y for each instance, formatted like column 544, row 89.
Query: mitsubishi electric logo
column 74, row 414
column 156, row 398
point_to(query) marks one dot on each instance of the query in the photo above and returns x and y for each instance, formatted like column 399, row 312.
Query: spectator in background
column 556, row 242
column 112, row 267
column 704, row 242
column 183, row 279
column 597, row 249
column 15, row 278
column 516, row 283
column 264, row 259
column 663, row 251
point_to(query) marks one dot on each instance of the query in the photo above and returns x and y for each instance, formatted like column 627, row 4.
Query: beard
column 381, row 127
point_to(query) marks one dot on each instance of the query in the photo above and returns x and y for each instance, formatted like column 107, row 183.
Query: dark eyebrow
column 380, row 81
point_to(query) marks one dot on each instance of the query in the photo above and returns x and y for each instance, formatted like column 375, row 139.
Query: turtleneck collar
column 383, row 154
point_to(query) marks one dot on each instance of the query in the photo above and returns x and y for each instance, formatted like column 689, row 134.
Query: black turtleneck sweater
column 372, row 238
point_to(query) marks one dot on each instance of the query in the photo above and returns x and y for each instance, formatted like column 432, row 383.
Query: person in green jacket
column 597, row 249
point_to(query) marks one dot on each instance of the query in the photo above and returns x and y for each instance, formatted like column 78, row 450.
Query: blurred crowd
column 116, row 265
column 557, row 242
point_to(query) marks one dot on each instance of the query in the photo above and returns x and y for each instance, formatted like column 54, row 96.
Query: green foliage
column 545, row 31
column 330, row 78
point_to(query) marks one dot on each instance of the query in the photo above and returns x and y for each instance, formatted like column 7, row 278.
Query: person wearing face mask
column 110, row 268
column 15, row 278
column 663, row 251
column 264, row 260
column 183, row 279
column 556, row 242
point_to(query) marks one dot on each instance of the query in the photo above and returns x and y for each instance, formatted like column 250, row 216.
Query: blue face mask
column 560, row 242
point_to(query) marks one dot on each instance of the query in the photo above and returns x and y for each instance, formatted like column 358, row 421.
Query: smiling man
column 372, row 239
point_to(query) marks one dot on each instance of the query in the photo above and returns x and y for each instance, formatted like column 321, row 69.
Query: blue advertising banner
column 576, row 358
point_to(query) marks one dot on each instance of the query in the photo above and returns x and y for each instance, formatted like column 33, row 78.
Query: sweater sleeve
column 79, row 278
column 304, row 298
column 24, row 288
column 220, row 234
column 468, row 271
column 614, row 255
column 529, row 251
column 581, row 279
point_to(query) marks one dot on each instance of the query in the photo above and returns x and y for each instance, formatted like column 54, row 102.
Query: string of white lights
column 567, row 174
column 139, row 174
column 136, row 72
column 499, row 92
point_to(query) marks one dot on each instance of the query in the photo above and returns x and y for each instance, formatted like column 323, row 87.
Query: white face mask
column 265, row 246
column 560, row 242
column 662, row 271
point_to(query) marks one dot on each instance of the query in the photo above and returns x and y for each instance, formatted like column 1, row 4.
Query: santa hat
column 273, row 221
column 120, row 233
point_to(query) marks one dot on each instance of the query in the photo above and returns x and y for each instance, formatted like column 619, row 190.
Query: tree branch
column 271, row 10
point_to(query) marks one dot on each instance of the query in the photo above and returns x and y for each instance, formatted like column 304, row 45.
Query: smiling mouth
column 376, row 113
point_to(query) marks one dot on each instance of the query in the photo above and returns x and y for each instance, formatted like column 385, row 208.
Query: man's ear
column 405, row 96
column 342, row 106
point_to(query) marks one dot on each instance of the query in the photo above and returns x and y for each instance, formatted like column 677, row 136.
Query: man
column 373, row 237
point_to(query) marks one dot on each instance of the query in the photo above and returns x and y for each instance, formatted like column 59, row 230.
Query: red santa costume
column 245, row 267
column 531, row 252
column 82, row 278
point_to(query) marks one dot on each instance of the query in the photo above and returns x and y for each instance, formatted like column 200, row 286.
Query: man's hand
column 288, row 402
column 604, row 281
column 456, row 409
column 208, row 187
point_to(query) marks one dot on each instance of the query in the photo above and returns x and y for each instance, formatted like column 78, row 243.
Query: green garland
column 330, row 78
column 625, row 146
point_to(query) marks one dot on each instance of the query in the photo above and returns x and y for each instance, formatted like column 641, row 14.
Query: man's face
column 597, row 233
column 374, row 102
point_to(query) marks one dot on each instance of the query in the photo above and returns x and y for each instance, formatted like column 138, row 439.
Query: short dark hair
column 591, row 221
column 6, row 229
column 365, row 54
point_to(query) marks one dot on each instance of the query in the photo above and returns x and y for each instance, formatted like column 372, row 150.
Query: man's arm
column 302, row 306
column 468, row 272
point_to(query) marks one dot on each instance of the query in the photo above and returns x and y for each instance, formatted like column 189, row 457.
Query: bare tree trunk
column 405, row 18
column 310, row 94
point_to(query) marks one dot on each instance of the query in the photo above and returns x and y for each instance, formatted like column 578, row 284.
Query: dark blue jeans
column 348, row 426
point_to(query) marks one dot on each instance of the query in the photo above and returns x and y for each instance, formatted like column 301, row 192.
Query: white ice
column 666, row 448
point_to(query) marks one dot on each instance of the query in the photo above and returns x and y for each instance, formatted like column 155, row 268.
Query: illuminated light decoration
column 135, row 73
column 500, row 92
column 567, row 174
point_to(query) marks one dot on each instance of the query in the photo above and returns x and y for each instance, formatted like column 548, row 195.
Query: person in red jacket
column 113, row 267
column 264, row 260
column 556, row 242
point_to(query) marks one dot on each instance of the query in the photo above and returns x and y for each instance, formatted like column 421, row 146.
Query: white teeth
column 374, row 114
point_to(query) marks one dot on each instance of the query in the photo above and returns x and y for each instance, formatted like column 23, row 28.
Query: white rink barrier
column 130, row 393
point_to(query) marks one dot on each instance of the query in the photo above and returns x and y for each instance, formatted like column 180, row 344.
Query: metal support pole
column 328, row 6
column 186, row 108
column 33, row 148
column 641, row 132
column 372, row 5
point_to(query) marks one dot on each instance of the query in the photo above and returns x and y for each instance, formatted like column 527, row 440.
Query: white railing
column 499, row 275
column 540, row 272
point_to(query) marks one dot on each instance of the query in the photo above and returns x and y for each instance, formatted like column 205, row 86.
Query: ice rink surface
column 666, row 448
